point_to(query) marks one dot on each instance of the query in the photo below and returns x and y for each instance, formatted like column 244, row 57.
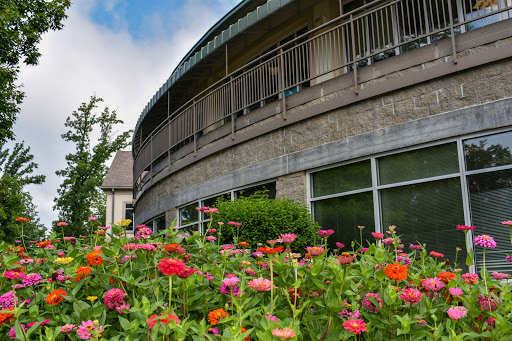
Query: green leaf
column 470, row 258
column 125, row 324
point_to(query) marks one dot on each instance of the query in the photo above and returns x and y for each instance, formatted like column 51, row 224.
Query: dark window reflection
column 189, row 214
column 247, row 192
column 488, row 151
column 342, row 179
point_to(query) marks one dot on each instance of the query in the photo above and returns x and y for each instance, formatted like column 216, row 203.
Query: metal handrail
column 309, row 57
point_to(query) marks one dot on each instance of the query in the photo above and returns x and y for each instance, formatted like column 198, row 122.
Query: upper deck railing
column 370, row 33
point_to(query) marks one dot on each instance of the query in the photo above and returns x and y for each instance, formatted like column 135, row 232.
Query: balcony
column 362, row 36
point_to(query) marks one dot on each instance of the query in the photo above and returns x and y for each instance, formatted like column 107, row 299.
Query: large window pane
column 247, row 192
column 342, row 179
column 491, row 201
column 160, row 223
column 419, row 164
column 343, row 215
column 427, row 213
column 189, row 214
column 488, row 151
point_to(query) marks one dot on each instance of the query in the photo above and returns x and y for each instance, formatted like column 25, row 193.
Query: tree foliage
column 86, row 168
column 22, row 24
column 16, row 171
column 265, row 219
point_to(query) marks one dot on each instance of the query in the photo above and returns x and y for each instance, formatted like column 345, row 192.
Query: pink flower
column 12, row 331
column 508, row 222
column 355, row 326
column 389, row 241
column 349, row 314
column 121, row 307
column 366, row 303
column 93, row 218
column 315, row 250
column 272, row 318
column 433, row 284
column 491, row 321
column 499, row 276
column 325, row 233
column 259, row 284
column 84, row 330
column 415, row 247
column 485, row 241
column 456, row 313
column 284, row 333
column 340, row 245
column 470, row 278
column 211, row 238
column 228, row 247
column 465, row 228
column 114, row 298
column 62, row 223
column 378, row 235
column 288, row 238
column 411, row 295
column 61, row 254
column 211, row 230
column 436, row 254
column 230, row 281
column 250, row 272
column 456, row 292
column 487, row 303
column 67, row 328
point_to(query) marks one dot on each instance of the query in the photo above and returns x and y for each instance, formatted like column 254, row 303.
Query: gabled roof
column 120, row 173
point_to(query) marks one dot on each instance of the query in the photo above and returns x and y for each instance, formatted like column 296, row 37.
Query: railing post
column 281, row 59
column 354, row 64
column 452, row 32
column 194, row 128
column 232, row 101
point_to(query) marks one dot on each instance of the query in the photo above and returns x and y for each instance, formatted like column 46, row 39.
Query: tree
column 21, row 25
column 86, row 166
column 16, row 168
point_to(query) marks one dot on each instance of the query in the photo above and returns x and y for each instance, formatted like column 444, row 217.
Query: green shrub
column 265, row 219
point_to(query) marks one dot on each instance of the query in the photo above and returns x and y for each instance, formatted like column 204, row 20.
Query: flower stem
column 271, row 287
column 170, row 294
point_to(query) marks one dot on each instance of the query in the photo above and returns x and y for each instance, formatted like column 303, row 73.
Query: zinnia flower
column 369, row 305
column 259, row 284
column 378, row 235
column 288, row 238
column 456, row 291
column 94, row 258
column 272, row 318
column 411, row 295
column 64, row 261
column 164, row 318
column 315, row 250
column 55, row 297
column 355, row 326
column 436, row 254
column 67, row 328
column 84, row 330
column 345, row 258
column 230, row 281
column 446, row 276
column 487, row 303
column 114, row 298
column 485, row 241
column 415, row 247
column 171, row 266
column 216, row 315
column 470, row 278
column 325, row 233
column 458, row 312
column 396, row 271
column 12, row 331
column 284, row 333
column 4, row 318
column 269, row 250
column 26, row 220
column 465, row 228
column 432, row 284
column 499, row 276
column 7, row 300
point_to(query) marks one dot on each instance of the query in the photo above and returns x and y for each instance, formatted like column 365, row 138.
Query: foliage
column 210, row 292
column 22, row 24
column 86, row 166
column 16, row 171
column 264, row 219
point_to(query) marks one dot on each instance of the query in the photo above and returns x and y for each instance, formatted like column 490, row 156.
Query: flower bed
column 176, row 286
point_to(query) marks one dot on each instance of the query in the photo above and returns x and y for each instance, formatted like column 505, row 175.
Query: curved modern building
column 372, row 113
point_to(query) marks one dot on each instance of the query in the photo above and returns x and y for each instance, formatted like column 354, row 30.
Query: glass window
column 128, row 214
column 490, row 197
column 343, row 215
column 488, row 151
column 160, row 223
column 189, row 214
column 427, row 213
column 419, row 164
column 247, row 192
column 342, row 179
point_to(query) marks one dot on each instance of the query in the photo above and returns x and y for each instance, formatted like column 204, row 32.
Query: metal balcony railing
column 370, row 33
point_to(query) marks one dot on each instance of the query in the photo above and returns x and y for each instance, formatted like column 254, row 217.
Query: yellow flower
column 64, row 261
column 92, row 298
column 124, row 223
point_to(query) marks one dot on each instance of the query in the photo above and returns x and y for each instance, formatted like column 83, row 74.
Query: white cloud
column 85, row 59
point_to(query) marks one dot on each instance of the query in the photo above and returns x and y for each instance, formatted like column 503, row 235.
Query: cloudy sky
column 119, row 50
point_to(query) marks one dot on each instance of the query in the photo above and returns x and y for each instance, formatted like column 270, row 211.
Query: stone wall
column 463, row 89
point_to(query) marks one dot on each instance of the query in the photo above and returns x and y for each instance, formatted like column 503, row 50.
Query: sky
column 119, row 50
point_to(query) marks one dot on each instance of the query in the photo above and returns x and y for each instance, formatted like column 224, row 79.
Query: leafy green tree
column 86, row 168
column 21, row 25
column 16, row 171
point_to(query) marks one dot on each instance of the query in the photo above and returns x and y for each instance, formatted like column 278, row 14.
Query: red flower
column 355, row 326
column 436, row 254
column 269, row 250
column 165, row 318
column 446, row 276
column 171, row 266
column 26, row 220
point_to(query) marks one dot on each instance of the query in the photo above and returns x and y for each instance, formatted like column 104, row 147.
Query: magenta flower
column 340, row 245
column 325, row 233
column 411, row 295
column 93, row 218
column 458, row 312
column 465, row 228
column 67, row 328
column 456, row 292
column 470, row 278
column 272, row 318
column 211, row 230
column 114, row 298
column 508, row 222
column 378, row 235
column 7, row 300
column 211, row 238
column 508, row 259
column 433, row 284
column 499, row 276
column 487, row 303
column 415, row 247
column 288, row 238
column 388, row 241
column 12, row 332
column 32, row 279
column 485, row 241
column 122, row 307
column 84, row 330
column 230, row 281
column 368, row 305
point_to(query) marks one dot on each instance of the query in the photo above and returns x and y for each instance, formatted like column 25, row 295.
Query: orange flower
column 397, row 272
column 55, row 297
column 4, row 318
column 44, row 243
column 243, row 244
column 94, row 258
column 174, row 248
column 83, row 270
column 216, row 315
column 446, row 276
column 248, row 338
column 26, row 220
